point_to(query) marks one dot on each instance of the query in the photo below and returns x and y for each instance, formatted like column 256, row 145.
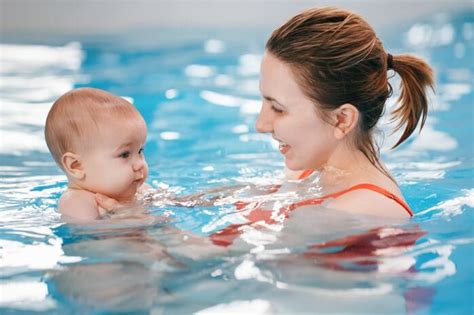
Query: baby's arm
column 78, row 206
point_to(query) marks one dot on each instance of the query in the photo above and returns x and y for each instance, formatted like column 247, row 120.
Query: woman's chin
column 298, row 165
column 291, row 165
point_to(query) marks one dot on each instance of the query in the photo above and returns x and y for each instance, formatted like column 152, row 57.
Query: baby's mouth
column 139, row 180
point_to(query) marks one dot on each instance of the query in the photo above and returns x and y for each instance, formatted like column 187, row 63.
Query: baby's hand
column 110, row 207
column 106, row 205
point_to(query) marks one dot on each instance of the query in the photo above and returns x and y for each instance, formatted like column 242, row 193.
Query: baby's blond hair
column 76, row 116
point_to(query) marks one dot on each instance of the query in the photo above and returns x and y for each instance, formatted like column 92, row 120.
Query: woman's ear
column 346, row 117
column 72, row 165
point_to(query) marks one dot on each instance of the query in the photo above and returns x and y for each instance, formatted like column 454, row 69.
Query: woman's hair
column 337, row 59
column 78, row 116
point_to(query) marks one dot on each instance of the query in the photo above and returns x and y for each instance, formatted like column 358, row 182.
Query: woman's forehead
column 278, row 80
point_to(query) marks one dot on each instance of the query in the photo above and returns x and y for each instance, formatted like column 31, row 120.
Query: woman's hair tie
column 389, row 62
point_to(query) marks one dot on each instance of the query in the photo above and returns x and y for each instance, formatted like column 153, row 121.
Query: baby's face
column 113, row 160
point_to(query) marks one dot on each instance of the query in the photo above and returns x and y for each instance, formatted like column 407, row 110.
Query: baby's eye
column 141, row 151
column 125, row 154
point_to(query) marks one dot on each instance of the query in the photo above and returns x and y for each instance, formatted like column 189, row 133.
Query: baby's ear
column 72, row 165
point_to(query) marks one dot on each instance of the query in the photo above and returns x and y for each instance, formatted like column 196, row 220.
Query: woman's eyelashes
column 274, row 105
column 276, row 109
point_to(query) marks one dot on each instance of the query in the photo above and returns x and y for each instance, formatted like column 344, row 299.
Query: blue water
column 200, row 98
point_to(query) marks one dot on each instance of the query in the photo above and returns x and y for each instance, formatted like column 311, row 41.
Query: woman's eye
column 276, row 110
column 125, row 154
column 141, row 151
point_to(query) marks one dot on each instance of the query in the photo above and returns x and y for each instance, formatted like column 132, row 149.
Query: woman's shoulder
column 372, row 199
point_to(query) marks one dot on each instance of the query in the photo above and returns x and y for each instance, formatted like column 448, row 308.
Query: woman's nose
column 264, row 120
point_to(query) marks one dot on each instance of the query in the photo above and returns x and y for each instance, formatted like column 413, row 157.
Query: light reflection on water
column 200, row 102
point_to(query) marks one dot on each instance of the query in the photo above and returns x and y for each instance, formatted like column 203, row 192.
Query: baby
column 97, row 139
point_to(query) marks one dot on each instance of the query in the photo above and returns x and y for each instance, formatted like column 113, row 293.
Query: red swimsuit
column 226, row 236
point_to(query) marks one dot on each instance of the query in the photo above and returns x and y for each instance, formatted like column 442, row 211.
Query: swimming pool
column 200, row 100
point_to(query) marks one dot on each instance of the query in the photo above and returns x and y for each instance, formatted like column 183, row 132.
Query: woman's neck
column 347, row 167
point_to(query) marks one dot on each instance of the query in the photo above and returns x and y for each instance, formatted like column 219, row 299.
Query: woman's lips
column 283, row 148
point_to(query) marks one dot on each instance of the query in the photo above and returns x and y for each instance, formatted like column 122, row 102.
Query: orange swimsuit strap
column 305, row 174
column 372, row 187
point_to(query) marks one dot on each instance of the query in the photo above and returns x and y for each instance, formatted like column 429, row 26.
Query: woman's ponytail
column 416, row 77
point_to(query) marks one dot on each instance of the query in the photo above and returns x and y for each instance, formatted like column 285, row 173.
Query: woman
column 324, row 84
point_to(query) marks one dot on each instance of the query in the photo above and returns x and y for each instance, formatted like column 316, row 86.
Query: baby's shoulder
column 78, row 204
column 76, row 195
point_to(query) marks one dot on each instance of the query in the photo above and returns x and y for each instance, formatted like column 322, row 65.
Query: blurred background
column 25, row 19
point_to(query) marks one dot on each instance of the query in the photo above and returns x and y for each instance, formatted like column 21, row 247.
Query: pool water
column 200, row 98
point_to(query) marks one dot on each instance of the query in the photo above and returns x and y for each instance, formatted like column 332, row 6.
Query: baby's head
column 97, row 138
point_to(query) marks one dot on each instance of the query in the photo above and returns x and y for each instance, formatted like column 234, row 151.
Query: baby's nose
column 139, row 164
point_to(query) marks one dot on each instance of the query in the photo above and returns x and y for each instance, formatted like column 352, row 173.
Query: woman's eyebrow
column 271, row 99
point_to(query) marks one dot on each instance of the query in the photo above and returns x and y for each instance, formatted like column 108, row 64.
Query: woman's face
column 305, row 140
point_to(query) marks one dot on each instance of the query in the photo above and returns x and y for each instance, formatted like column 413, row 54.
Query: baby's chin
column 125, row 197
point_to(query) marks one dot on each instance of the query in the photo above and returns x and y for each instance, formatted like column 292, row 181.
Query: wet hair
column 337, row 59
column 78, row 115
